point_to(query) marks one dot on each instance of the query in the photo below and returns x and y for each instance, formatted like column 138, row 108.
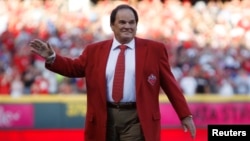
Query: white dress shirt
column 129, row 80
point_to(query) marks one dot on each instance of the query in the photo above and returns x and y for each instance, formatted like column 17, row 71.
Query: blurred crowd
column 208, row 43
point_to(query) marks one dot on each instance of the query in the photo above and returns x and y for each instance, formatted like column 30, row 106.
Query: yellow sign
column 76, row 109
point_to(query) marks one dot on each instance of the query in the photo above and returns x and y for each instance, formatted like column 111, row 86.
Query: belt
column 122, row 105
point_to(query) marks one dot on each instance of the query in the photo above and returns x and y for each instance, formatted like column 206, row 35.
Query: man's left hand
column 188, row 124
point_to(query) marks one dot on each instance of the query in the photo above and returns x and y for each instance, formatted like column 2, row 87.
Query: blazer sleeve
column 170, row 86
column 69, row 67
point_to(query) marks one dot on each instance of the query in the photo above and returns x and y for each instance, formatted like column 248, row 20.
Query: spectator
column 40, row 85
column 5, row 82
column 222, row 28
column 190, row 81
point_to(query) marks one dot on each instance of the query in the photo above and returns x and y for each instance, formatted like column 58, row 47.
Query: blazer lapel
column 140, row 54
column 104, row 53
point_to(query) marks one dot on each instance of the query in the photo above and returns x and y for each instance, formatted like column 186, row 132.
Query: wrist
column 51, row 58
column 189, row 116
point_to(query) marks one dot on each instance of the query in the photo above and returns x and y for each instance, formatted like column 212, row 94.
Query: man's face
column 124, row 27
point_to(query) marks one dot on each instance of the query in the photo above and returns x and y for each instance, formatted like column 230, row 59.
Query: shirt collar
column 130, row 45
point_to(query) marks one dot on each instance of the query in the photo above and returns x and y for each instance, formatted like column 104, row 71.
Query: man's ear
column 111, row 26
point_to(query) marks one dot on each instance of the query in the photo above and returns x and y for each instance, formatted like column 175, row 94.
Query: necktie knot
column 123, row 47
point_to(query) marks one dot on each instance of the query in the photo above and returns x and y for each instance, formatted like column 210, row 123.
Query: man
column 135, row 116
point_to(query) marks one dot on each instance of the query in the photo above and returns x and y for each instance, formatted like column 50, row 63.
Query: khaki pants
column 123, row 125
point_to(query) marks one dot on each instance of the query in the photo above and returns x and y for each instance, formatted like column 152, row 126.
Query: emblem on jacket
column 152, row 79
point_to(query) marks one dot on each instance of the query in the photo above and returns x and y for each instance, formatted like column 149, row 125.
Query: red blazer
column 152, row 72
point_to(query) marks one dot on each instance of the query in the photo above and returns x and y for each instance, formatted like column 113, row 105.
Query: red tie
column 119, row 75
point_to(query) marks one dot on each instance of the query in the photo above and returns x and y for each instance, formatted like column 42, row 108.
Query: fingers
column 41, row 48
column 49, row 46
column 188, row 124
column 193, row 133
column 34, row 45
column 185, row 128
column 38, row 45
column 192, row 130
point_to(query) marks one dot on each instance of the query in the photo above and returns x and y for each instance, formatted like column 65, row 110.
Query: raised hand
column 41, row 48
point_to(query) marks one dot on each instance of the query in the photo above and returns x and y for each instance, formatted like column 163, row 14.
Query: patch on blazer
column 152, row 79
